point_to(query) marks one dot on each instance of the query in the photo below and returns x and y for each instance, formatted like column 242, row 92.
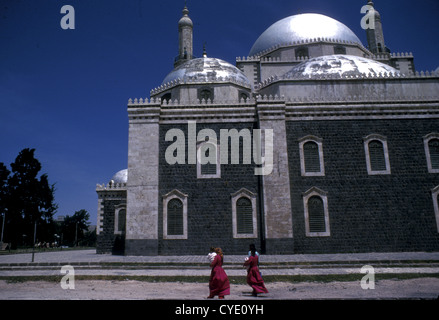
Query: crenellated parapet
column 111, row 186
column 337, row 76
column 198, row 80
column 301, row 43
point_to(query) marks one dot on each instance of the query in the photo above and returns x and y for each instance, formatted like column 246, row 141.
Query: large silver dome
column 343, row 65
column 207, row 70
column 302, row 27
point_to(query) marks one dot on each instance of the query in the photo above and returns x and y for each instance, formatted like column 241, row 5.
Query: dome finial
column 204, row 50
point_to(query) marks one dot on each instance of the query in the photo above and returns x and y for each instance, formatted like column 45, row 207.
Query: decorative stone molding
column 314, row 191
column 383, row 140
column 175, row 194
column 252, row 197
column 427, row 139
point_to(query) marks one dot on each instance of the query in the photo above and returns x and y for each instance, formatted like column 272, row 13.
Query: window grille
column 208, row 168
column 376, row 156
column 244, row 216
column 433, row 146
column 121, row 220
column 312, row 158
column 316, row 215
column 175, row 217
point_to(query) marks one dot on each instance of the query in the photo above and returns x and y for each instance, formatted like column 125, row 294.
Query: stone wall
column 209, row 200
column 367, row 213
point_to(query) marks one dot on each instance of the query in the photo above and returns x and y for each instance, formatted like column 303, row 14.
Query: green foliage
column 26, row 199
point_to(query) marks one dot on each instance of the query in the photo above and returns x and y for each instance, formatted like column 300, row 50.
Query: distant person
column 254, row 278
column 219, row 284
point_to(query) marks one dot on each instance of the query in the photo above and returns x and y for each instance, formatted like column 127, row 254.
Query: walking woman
column 254, row 278
column 219, row 282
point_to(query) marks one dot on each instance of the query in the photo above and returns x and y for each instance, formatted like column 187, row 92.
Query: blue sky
column 64, row 92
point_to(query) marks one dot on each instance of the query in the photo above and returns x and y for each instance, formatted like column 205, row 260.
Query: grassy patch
column 233, row 279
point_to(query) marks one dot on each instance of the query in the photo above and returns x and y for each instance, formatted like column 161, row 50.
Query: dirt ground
column 423, row 288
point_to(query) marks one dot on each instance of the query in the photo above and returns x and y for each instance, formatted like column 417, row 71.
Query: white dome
column 343, row 65
column 206, row 70
column 302, row 27
column 120, row 177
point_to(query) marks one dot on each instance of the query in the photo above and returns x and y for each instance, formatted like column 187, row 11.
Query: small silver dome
column 302, row 27
column 343, row 65
column 207, row 70
column 120, row 177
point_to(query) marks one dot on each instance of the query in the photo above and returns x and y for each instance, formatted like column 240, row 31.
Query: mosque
column 313, row 143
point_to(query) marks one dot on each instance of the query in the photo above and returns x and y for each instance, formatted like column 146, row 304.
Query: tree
column 4, row 175
column 74, row 228
column 31, row 199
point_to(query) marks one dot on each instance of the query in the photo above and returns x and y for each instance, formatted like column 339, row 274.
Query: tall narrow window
column 175, row 215
column 431, row 145
column 244, row 216
column 435, row 194
column 312, row 159
column 244, row 219
column 377, row 155
column 315, row 203
column 311, row 156
column 120, row 219
column 208, row 160
column 316, row 215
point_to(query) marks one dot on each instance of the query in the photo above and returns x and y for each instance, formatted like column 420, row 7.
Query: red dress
column 219, row 282
column 254, row 278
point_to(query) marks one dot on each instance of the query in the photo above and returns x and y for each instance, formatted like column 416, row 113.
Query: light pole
column 33, row 247
column 3, row 225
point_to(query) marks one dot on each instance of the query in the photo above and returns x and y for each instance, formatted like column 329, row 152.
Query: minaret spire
column 375, row 34
column 185, row 38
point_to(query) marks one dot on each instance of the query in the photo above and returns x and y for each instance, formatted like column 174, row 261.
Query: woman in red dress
column 219, row 282
column 254, row 278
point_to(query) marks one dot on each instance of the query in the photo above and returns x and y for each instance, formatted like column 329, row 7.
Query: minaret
column 185, row 46
column 375, row 35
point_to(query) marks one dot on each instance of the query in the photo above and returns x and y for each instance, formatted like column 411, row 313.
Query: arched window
column 208, row 160
column 302, row 52
column 315, row 203
column 166, row 97
column 244, row 216
column 205, row 94
column 339, row 50
column 433, row 147
column 208, row 168
column 120, row 219
column 435, row 194
column 175, row 217
column 316, row 215
column 377, row 155
column 311, row 156
column 244, row 219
